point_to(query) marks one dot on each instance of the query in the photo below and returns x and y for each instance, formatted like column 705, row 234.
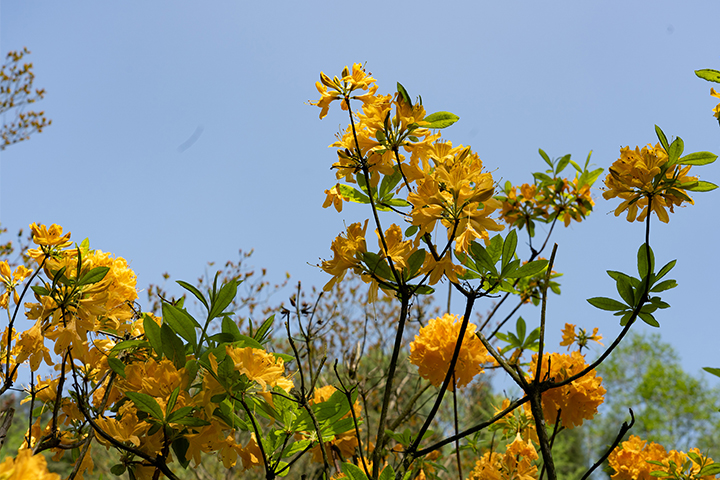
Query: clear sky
column 181, row 131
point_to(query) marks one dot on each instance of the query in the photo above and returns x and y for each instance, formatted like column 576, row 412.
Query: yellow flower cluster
column 11, row 280
column 433, row 348
column 85, row 307
column 26, row 466
column 515, row 464
column 565, row 199
column 443, row 183
column 578, row 400
column 631, row 461
column 635, row 178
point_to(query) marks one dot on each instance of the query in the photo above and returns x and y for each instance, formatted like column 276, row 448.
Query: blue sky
column 128, row 83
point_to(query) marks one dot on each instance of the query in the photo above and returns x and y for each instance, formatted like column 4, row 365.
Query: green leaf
column 128, row 344
column 224, row 298
column 390, row 181
column 198, row 294
column 482, row 259
column 545, row 157
column 403, row 94
column 661, row 136
column 520, row 328
column 172, row 346
column 698, row 158
column 626, row 291
column 703, row 186
column 180, row 447
column 262, row 333
column 377, row 265
column 93, row 276
column 662, row 286
column 642, row 260
column 180, row 321
column 712, row 370
column 665, row 270
column 675, row 150
column 710, row 469
column 352, row 194
column 191, row 422
column 708, row 74
column 146, row 403
column 353, row 472
column 495, row 248
column 172, row 400
column 529, row 269
column 388, row 473
column 226, row 369
column 411, row 231
column 439, row 120
column 649, row 319
column 604, row 303
column 230, row 328
column 152, row 332
column 416, row 261
column 117, row 469
column 562, row 164
column 117, row 366
column 509, row 246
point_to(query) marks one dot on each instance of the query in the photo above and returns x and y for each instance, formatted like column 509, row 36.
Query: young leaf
column 698, row 158
column 713, row 370
column 520, row 328
column 545, row 157
column 230, row 327
column 439, row 120
column 675, row 150
column 703, row 186
column 661, row 136
column 352, row 194
column 198, row 294
column 708, row 74
column 224, row 298
column 562, row 164
column 172, row 400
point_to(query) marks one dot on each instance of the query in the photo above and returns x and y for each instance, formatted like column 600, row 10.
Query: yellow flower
column 514, row 464
column 11, row 280
column 570, row 337
column 433, row 349
column 577, row 401
column 31, row 345
column 26, row 466
column 331, row 90
column 48, row 239
column 260, row 366
column 334, row 198
column 345, row 249
column 633, row 178
column 716, row 110
column 629, row 461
